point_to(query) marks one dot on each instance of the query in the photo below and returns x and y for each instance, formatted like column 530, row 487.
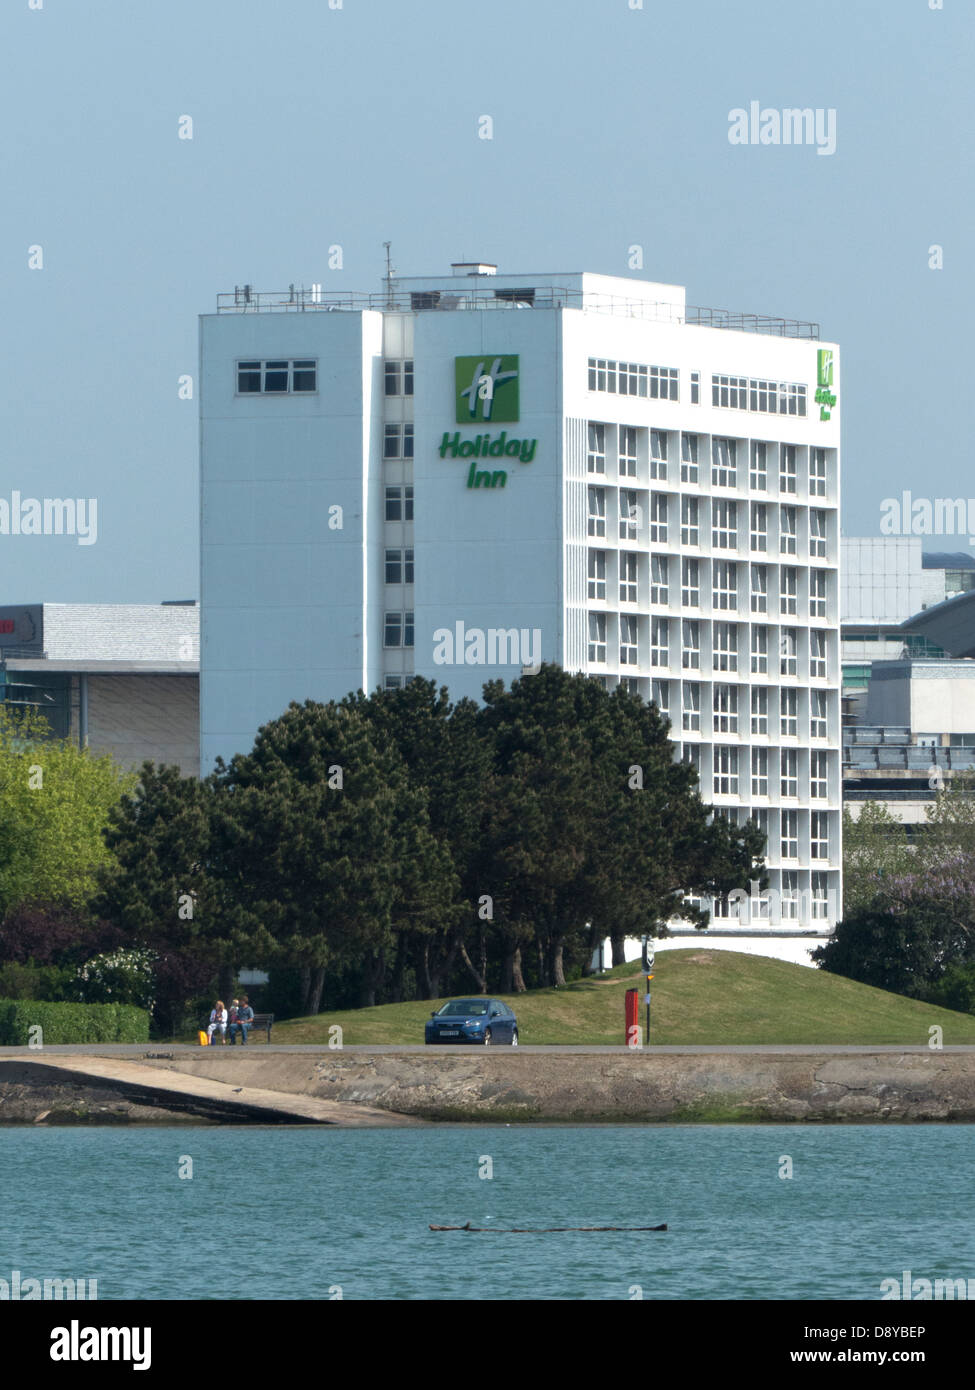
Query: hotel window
column 759, row 651
column 759, row 589
column 724, row 466
column 818, row 784
column 730, row 391
column 724, row 524
column 725, row 709
column 399, row 378
column 758, row 466
column 691, row 715
column 691, row 754
column 819, row 835
column 788, row 580
column 663, row 383
column 658, row 454
column 398, row 442
column 628, row 578
column 399, row 566
column 695, row 388
column 759, row 772
column 628, row 641
column 725, row 649
column 820, row 894
column 691, row 645
column 285, row 376
column 690, row 583
column 760, row 710
column 597, row 511
column 817, row 593
column 596, row 451
column 817, row 472
column 630, row 516
column 787, row 468
column 658, row 517
column 659, row 588
column 659, row 641
column 597, row 637
column 689, row 445
column 632, row 379
column 394, row 504
column 817, row 654
column 627, row 452
column 790, row 834
column 630, row 684
column 787, row 531
column 789, row 772
column 393, row 682
column 597, row 574
column 817, row 714
column 724, row 585
column 759, row 526
column 726, row 771
column 689, row 531
column 660, row 695
column 789, row 895
column 398, row 630
column 788, row 644
column 789, row 713
column 817, row 533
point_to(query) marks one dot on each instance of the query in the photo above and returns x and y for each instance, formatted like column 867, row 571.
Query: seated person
column 218, row 1022
column 243, row 1021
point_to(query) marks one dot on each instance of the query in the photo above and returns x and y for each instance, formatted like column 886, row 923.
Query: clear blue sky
column 315, row 126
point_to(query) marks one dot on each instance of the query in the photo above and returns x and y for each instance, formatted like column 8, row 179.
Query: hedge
column 71, row 1023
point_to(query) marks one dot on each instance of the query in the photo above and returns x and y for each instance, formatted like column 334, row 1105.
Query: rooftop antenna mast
column 389, row 276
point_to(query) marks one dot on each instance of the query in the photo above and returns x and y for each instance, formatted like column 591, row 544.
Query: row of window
column 725, row 520
column 768, row 397
column 727, row 458
column 725, row 701
column 725, row 579
column 793, row 903
column 635, row 379
column 277, row 376
column 725, row 654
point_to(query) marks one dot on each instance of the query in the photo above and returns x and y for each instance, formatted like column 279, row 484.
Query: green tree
column 875, row 848
column 55, row 802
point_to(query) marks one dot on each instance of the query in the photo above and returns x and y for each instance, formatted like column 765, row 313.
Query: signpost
column 647, row 955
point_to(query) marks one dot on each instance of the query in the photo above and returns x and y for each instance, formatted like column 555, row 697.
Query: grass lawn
column 699, row 996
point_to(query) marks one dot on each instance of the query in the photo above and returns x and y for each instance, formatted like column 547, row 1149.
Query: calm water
column 308, row 1209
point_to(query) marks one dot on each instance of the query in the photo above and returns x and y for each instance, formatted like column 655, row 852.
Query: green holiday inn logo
column 825, row 398
column 486, row 389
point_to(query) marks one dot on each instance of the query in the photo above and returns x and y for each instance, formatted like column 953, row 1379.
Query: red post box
column 632, row 1038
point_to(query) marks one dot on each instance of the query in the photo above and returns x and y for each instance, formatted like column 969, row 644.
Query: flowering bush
column 124, row 976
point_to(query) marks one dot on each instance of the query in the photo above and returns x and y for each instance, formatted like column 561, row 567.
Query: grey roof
column 950, row 625
column 948, row 560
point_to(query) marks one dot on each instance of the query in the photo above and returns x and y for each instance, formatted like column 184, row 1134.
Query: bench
column 263, row 1021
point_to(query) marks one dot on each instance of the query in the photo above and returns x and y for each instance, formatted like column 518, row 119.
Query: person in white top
column 218, row 1022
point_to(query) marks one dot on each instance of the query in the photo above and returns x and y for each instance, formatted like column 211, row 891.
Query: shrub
column 955, row 989
column 32, row 981
column 71, row 1023
column 120, row 977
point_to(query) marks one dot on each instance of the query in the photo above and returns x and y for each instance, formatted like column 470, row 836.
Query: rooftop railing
column 246, row 300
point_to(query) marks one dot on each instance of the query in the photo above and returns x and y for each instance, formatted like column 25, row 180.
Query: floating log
column 540, row 1230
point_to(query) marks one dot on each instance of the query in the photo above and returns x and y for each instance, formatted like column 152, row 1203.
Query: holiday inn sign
column 486, row 392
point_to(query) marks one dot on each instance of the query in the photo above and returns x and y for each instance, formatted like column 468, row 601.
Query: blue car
column 483, row 1021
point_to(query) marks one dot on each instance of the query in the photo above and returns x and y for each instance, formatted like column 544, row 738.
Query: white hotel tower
column 462, row 475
